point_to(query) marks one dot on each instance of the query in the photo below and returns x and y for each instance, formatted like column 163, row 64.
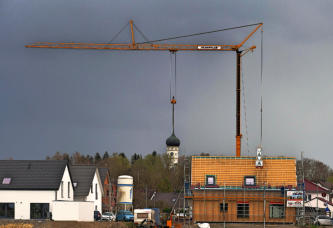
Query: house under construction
column 236, row 189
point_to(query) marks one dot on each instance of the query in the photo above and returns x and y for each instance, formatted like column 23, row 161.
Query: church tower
column 173, row 143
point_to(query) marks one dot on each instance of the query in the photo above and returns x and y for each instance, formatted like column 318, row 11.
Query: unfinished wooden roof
column 230, row 171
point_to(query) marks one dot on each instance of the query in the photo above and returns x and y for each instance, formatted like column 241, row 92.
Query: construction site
column 233, row 189
column 221, row 189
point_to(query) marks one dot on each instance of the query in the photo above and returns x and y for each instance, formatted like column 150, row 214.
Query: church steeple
column 173, row 142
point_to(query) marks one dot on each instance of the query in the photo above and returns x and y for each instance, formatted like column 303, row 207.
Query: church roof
column 173, row 140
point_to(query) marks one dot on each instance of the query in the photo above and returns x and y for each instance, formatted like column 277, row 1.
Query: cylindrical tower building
column 125, row 192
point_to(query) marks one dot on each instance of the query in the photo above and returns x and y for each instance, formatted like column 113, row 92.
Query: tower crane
column 155, row 46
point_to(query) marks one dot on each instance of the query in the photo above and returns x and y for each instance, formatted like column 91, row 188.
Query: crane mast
column 153, row 46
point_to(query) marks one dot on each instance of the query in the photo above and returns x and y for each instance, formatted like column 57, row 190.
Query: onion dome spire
column 173, row 140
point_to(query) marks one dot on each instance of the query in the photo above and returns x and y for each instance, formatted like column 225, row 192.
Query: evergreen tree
column 106, row 155
column 122, row 155
column 135, row 157
column 97, row 157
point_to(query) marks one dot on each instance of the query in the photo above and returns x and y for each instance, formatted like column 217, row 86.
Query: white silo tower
column 125, row 192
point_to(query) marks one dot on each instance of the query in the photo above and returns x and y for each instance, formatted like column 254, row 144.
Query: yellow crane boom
column 153, row 46
column 146, row 46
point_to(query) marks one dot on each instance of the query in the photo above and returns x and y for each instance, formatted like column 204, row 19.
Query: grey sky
column 93, row 101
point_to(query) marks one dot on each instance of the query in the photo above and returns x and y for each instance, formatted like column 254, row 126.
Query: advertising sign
column 294, row 199
column 209, row 47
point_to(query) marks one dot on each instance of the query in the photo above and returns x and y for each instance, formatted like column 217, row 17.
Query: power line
column 261, row 81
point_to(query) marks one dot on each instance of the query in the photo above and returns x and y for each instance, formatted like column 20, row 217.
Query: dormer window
column 250, row 181
column 210, row 180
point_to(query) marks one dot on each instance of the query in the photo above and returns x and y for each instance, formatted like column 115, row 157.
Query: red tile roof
column 312, row 187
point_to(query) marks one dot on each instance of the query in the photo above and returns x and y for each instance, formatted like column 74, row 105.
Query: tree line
column 153, row 169
column 151, row 173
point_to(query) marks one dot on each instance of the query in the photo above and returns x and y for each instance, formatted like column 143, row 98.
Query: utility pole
column 185, row 160
column 303, row 188
column 146, row 197
column 265, row 205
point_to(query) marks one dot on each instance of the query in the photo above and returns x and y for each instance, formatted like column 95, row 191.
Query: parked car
column 109, row 216
column 97, row 215
column 125, row 216
column 323, row 220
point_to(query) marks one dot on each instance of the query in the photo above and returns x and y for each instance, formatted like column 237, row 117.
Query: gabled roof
column 169, row 198
column 327, row 185
column 103, row 173
column 320, row 199
column 230, row 171
column 312, row 187
column 83, row 175
column 31, row 174
column 325, row 201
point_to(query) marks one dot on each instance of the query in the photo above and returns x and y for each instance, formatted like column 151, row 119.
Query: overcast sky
column 118, row 101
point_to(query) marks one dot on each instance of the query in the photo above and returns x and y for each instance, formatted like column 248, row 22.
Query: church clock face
column 171, row 154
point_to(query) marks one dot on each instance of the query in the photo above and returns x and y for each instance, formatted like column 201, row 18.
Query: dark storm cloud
column 89, row 101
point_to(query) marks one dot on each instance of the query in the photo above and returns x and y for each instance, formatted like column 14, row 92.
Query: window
column 91, row 188
column 62, row 189
column 107, row 193
column 142, row 215
column 96, row 196
column 7, row 210
column 55, row 195
column 6, row 180
column 39, row 210
column 249, row 180
column 225, row 209
column 276, row 211
column 210, row 180
column 309, row 197
column 242, row 210
column 69, row 189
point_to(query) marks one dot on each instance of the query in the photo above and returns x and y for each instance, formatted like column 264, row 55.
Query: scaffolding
column 187, row 206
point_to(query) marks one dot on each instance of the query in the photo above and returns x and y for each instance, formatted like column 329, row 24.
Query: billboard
column 294, row 199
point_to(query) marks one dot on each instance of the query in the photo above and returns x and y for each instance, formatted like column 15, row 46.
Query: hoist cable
column 175, row 53
column 170, row 75
column 261, row 81
column 118, row 33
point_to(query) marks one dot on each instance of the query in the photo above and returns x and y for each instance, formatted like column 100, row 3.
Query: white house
column 317, row 198
column 29, row 188
column 314, row 190
column 45, row 189
column 88, row 184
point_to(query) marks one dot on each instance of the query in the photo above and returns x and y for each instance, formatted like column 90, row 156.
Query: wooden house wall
column 206, row 206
